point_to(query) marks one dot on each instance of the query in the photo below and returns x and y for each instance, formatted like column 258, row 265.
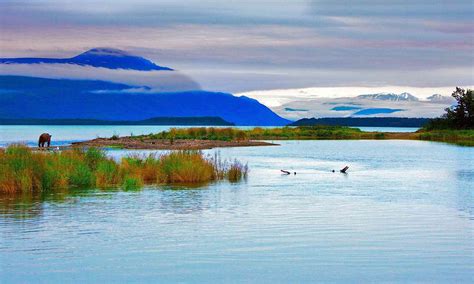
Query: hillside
column 40, row 98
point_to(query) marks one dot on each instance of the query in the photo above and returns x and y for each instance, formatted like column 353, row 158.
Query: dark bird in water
column 344, row 170
column 285, row 172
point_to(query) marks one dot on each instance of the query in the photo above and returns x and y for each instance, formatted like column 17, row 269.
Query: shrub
column 186, row 167
column 379, row 135
column 107, row 173
column 132, row 183
column 237, row 171
column 24, row 170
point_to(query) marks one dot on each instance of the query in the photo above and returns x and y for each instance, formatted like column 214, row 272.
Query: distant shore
column 129, row 142
column 196, row 138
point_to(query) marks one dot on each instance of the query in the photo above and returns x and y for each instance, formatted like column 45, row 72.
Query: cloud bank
column 255, row 45
column 352, row 101
column 158, row 81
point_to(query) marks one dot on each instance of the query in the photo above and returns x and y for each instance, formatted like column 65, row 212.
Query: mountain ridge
column 389, row 97
column 104, row 57
column 24, row 97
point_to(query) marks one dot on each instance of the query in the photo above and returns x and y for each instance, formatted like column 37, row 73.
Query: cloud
column 437, row 9
column 282, row 97
column 295, row 104
column 159, row 81
column 252, row 45
column 324, row 107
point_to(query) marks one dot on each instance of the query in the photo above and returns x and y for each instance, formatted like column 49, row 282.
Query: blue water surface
column 404, row 212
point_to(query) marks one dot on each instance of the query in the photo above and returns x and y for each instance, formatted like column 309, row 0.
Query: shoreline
column 197, row 144
column 128, row 142
column 208, row 138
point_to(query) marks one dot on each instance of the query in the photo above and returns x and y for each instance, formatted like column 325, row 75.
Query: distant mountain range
column 406, row 97
column 27, row 97
column 389, row 97
column 366, row 105
column 97, row 57
column 437, row 98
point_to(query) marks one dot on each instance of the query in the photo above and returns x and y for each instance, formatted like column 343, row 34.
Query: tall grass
column 459, row 137
column 24, row 170
column 317, row 132
column 258, row 133
column 200, row 133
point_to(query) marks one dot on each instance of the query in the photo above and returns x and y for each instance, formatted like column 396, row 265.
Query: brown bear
column 44, row 138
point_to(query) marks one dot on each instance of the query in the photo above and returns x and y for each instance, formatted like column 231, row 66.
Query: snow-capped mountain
column 437, row 98
column 110, row 58
column 355, row 102
column 389, row 97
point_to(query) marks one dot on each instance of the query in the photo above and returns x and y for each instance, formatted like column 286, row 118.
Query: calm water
column 388, row 129
column 404, row 212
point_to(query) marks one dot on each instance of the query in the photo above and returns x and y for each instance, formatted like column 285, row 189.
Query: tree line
column 459, row 116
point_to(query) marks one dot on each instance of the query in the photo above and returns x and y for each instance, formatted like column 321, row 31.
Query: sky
column 251, row 45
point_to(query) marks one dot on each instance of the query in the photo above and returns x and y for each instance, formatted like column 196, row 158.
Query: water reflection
column 183, row 200
column 175, row 199
column 31, row 205
column 404, row 212
column 22, row 206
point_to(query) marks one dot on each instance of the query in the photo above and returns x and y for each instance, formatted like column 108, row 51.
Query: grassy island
column 24, row 170
column 317, row 132
column 206, row 138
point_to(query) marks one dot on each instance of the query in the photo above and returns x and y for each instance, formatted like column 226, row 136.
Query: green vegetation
column 460, row 116
column 258, row 133
column 24, row 170
column 319, row 132
column 457, row 124
column 459, row 137
column 316, row 132
column 199, row 133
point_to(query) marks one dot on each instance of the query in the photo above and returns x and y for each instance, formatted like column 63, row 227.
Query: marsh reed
column 25, row 170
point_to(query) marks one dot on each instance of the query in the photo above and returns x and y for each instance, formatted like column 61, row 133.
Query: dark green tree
column 460, row 116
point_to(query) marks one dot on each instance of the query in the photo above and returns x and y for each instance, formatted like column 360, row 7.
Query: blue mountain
column 31, row 97
column 97, row 57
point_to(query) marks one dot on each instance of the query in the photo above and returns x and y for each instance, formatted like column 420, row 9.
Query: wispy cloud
column 159, row 81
